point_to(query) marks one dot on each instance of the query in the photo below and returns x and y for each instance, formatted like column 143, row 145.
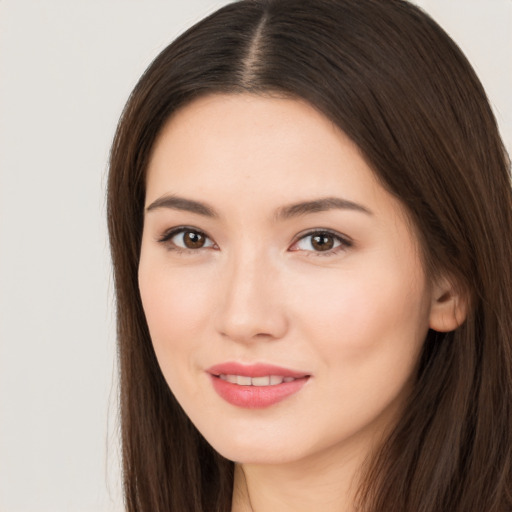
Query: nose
column 251, row 305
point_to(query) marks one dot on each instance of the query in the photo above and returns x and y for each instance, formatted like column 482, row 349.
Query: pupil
column 193, row 240
column 322, row 242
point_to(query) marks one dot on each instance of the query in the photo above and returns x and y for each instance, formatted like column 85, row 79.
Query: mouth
column 255, row 386
column 243, row 380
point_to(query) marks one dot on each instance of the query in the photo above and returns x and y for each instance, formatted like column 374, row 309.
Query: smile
column 243, row 380
column 255, row 386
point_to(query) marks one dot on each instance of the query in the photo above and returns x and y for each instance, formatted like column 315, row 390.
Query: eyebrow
column 285, row 212
column 180, row 203
column 319, row 205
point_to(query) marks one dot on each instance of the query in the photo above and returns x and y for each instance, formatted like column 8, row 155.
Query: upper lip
column 254, row 370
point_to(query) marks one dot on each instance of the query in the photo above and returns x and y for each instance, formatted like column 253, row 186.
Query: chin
column 257, row 455
column 245, row 448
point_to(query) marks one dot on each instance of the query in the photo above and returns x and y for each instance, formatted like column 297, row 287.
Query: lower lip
column 256, row 397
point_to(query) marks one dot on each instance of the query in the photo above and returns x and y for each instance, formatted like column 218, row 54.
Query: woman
column 310, row 220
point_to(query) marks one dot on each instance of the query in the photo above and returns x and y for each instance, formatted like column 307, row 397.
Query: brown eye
column 186, row 238
column 322, row 242
column 193, row 240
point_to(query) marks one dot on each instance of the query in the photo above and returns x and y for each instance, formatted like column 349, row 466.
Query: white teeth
column 267, row 380
column 242, row 380
column 261, row 381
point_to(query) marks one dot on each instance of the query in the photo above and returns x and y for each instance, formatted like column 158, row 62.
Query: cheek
column 367, row 331
column 176, row 309
column 366, row 316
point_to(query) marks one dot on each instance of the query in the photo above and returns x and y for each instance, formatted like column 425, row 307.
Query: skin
column 353, row 317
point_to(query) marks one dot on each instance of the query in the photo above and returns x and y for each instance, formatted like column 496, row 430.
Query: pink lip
column 255, row 397
column 254, row 370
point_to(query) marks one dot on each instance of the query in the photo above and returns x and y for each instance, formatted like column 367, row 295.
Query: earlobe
column 449, row 306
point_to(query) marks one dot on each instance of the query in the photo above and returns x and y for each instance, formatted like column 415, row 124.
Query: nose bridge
column 251, row 302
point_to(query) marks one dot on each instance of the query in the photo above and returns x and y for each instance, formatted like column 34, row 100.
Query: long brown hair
column 394, row 82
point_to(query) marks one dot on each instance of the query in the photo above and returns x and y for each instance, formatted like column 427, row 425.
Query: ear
column 449, row 306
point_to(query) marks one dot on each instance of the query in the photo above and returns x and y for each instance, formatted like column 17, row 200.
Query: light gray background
column 66, row 69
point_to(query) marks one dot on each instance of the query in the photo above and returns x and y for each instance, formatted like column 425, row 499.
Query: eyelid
column 345, row 242
column 168, row 234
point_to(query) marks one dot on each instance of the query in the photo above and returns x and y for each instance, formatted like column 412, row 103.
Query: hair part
column 391, row 79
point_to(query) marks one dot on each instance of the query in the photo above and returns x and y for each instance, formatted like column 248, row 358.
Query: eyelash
column 344, row 242
column 167, row 237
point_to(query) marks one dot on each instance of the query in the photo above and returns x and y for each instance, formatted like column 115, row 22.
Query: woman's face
column 282, row 285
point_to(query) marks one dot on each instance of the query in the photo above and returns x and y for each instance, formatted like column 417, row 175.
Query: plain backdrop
column 66, row 69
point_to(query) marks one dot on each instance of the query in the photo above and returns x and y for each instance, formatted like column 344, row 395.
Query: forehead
column 255, row 143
